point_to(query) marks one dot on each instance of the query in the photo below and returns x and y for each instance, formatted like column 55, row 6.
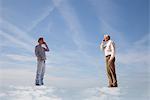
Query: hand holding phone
column 103, row 41
column 44, row 42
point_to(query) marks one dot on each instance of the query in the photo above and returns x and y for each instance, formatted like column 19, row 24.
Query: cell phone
column 103, row 40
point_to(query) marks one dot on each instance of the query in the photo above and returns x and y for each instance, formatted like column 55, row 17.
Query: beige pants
column 111, row 73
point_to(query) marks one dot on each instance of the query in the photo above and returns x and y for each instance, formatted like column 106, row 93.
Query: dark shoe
column 115, row 85
column 37, row 84
column 110, row 86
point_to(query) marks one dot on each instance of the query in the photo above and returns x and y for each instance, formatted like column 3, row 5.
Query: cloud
column 52, row 93
column 136, row 53
column 15, row 41
column 77, row 33
column 133, row 58
column 15, row 31
column 44, row 15
column 15, row 35
column 103, row 93
column 72, row 21
column 21, row 58
column 30, row 93
column 2, row 95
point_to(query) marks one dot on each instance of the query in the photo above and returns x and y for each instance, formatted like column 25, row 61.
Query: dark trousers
column 111, row 73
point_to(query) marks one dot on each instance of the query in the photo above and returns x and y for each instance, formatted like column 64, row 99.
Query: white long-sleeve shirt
column 108, row 48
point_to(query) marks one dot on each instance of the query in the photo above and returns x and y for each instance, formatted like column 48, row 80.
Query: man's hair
column 107, row 36
column 41, row 38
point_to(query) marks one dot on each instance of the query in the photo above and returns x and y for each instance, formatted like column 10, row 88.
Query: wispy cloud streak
column 42, row 17
column 15, row 31
column 13, row 39
column 72, row 21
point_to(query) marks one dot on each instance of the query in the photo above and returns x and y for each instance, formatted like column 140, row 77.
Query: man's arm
column 102, row 45
column 46, row 49
column 36, row 52
column 112, row 46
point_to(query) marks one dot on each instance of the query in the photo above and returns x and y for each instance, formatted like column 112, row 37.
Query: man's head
column 106, row 37
column 41, row 40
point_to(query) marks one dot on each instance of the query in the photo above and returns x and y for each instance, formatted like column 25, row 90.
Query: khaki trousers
column 111, row 73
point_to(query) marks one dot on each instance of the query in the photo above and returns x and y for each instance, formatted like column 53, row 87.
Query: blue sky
column 73, row 29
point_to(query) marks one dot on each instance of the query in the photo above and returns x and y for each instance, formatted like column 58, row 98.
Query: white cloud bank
column 103, row 93
column 29, row 93
column 50, row 93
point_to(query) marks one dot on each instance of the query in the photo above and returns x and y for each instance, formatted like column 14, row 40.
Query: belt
column 107, row 55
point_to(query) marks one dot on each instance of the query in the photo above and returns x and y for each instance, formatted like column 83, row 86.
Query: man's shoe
column 116, row 85
column 37, row 84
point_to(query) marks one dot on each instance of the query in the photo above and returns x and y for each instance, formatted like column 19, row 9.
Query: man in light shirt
column 40, row 50
column 108, row 46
